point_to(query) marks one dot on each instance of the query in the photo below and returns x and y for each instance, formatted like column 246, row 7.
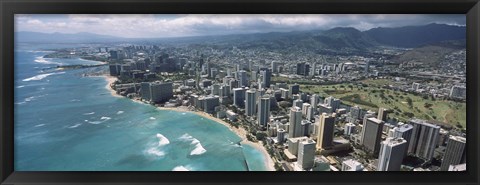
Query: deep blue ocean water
column 67, row 122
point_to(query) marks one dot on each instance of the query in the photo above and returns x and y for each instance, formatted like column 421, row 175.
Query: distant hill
column 340, row 39
column 430, row 54
column 415, row 36
column 345, row 37
column 82, row 37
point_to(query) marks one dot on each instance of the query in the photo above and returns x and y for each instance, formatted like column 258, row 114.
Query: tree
column 410, row 102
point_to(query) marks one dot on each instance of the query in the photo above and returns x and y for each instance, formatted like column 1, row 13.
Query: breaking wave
column 40, row 125
column 180, row 168
column 42, row 76
column 199, row 150
column 44, row 61
column 75, row 126
column 162, row 140
column 155, row 148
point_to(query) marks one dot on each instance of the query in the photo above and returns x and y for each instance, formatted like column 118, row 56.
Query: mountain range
column 340, row 38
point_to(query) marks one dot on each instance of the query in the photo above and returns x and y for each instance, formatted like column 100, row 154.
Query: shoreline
column 240, row 131
column 110, row 80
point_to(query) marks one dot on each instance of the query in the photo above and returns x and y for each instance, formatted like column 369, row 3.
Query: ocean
column 67, row 122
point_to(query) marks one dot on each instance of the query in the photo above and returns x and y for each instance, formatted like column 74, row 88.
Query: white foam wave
column 75, row 126
column 105, row 118
column 156, row 152
column 41, row 76
column 162, row 140
column 40, row 125
column 21, row 86
column 29, row 99
column 152, row 118
column 95, row 122
column 74, row 100
column 89, row 113
column 199, row 150
column 44, row 61
column 180, row 168
column 120, row 112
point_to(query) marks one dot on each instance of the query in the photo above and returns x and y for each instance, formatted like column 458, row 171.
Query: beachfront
column 240, row 131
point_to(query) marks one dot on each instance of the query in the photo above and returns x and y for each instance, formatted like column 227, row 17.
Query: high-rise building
column 404, row 131
column 233, row 84
column 295, row 128
column 305, row 107
column 424, row 139
column 213, row 72
column 391, row 154
column 324, row 108
column 332, row 102
column 281, row 135
column 310, row 113
column 314, row 99
column 115, row 69
column 274, row 66
column 160, row 92
column 306, row 127
column 356, row 112
column 239, row 97
column 372, row 134
column 250, row 102
column 298, row 103
column 216, row 89
column 145, row 91
column 293, row 144
column 349, row 129
column 266, row 76
column 303, row 69
column 455, row 153
column 325, row 131
column 225, row 91
column 263, row 111
column 313, row 70
column 306, row 154
column 242, row 78
column 293, row 89
column 382, row 114
column 209, row 103
column 367, row 66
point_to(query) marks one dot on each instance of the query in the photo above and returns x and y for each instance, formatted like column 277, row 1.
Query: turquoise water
column 67, row 122
column 254, row 158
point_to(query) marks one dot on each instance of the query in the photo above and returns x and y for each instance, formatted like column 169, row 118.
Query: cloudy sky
column 157, row 26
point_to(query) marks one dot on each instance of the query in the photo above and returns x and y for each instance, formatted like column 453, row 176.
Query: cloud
column 146, row 26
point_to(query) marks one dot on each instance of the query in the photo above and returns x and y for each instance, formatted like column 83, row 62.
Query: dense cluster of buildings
column 305, row 131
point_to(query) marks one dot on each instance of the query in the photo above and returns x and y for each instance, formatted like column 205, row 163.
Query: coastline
column 240, row 132
column 259, row 146
column 110, row 80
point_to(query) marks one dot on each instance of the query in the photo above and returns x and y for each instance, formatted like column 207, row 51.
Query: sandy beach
column 111, row 80
column 240, row 132
column 259, row 146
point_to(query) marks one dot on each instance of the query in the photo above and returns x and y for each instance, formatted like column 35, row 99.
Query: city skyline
column 173, row 25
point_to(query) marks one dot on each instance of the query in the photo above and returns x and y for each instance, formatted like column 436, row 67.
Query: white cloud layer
column 157, row 26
